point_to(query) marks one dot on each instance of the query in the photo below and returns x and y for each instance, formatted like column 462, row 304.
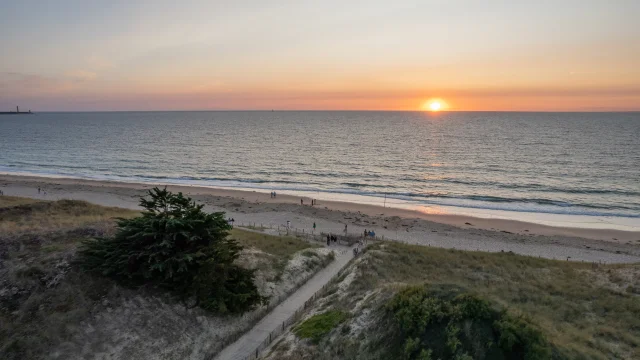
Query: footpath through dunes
column 250, row 344
column 467, row 305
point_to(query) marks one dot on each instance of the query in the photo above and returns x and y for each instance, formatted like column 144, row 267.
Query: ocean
column 576, row 168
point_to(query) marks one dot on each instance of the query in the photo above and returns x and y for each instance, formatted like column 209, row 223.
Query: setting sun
column 434, row 105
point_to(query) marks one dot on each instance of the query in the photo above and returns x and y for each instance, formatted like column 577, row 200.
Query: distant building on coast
column 17, row 112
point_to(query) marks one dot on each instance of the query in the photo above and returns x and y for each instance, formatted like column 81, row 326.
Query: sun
column 434, row 105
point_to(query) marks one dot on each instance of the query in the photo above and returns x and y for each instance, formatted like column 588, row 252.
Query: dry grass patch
column 42, row 296
column 11, row 201
column 280, row 246
column 30, row 216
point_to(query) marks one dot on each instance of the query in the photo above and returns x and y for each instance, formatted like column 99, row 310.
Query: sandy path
column 249, row 342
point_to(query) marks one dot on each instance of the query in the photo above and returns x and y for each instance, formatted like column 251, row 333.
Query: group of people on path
column 313, row 202
column 331, row 238
column 230, row 221
column 43, row 191
column 370, row 234
column 273, row 194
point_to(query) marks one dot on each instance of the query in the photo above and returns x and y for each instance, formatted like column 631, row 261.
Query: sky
column 560, row 55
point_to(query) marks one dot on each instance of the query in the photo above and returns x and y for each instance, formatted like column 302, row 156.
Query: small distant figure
column 328, row 240
column 271, row 194
column 288, row 224
column 372, row 234
column 38, row 189
column 314, row 226
column 345, row 229
column 232, row 222
column 301, row 202
column 274, row 194
column 45, row 192
column 365, row 233
column 355, row 251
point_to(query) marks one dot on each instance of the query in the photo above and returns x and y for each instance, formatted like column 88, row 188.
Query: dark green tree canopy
column 176, row 245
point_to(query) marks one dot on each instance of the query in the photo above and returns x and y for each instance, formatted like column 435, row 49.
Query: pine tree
column 175, row 245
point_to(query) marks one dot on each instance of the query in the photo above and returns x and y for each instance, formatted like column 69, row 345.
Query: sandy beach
column 447, row 231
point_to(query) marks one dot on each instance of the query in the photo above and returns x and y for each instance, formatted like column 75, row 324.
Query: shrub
column 450, row 324
column 175, row 245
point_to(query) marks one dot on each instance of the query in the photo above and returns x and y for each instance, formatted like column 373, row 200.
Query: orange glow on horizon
column 435, row 105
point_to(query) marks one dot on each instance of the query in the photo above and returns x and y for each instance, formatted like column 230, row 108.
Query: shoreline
column 259, row 195
column 448, row 231
column 552, row 218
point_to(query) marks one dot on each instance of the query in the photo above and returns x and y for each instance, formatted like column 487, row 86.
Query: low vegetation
column 319, row 325
column 46, row 301
column 585, row 309
column 280, row 246
column 452, row 324
column 450, row 303
column 22, row 215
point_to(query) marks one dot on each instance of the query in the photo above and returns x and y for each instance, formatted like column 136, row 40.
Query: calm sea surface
column 583, row 164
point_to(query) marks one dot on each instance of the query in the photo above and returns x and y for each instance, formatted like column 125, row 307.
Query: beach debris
column 470, row 224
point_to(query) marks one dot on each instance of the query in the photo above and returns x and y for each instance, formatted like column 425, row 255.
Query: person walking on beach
column 301, row 202
column 38, row 189
column 328, row 240
column 345, row 229
column 314, row 226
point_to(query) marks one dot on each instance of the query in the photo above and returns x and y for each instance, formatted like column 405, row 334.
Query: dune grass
column 586, row 311
column 280, row 246
column 11, row 201
column 21, row 215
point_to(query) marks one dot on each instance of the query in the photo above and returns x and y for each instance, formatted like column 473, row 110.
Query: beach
column 392, row 224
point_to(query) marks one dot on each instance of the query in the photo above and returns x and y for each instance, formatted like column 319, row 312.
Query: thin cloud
column 81, row 75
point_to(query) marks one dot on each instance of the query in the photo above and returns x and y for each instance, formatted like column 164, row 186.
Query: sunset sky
column 392, row 55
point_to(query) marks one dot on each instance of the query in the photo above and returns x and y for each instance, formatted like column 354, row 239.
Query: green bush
column 319, row 325
column 175, row 245
column 449, row 324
